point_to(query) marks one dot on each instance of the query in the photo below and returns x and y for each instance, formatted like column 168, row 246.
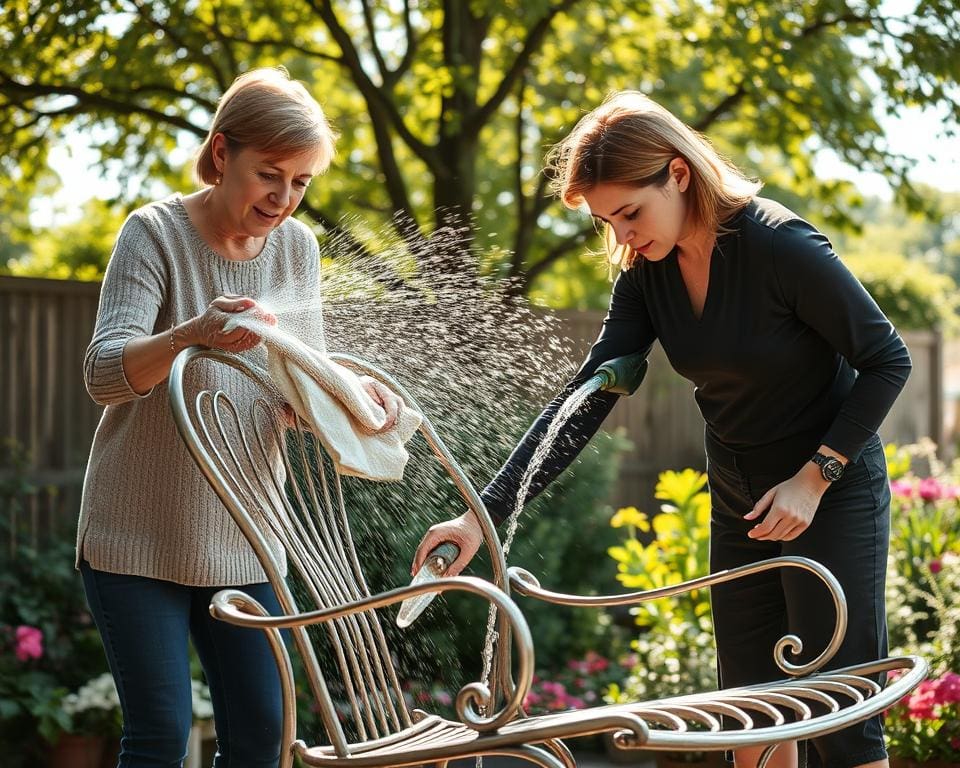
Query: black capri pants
column 850, row 535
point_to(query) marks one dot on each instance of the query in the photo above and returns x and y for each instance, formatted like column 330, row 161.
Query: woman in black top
column 795, row 367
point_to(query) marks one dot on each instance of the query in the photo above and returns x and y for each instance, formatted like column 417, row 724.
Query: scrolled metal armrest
column 473, row 698
column 242, row 604
column 525, row 583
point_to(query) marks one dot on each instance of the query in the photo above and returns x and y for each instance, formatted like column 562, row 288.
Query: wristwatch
column 830, row 467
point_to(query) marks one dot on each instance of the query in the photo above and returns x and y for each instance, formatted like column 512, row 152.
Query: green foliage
column 450, row 106
column 14, row 484
column 675, row 652
column 679, row 551
column 910, row 294
column 78, row 250
column 926, row 724
column 40, row 594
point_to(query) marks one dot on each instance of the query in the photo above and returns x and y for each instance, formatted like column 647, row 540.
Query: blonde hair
column 630, row 139
column 265, row 110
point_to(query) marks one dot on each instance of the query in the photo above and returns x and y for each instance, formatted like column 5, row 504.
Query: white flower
column 99, row 693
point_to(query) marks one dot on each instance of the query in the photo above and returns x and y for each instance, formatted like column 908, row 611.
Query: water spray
column 621, row 376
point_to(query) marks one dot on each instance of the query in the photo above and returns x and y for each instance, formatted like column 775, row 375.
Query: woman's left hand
column 383, row 397
column 790, row 506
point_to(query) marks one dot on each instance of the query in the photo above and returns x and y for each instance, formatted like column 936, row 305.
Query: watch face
column 832, row 470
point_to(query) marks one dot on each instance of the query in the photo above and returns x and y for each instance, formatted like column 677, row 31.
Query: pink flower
column 29, row 643
column 921, row 703
column 903, row 488
column 597, row 663
column 936, row 566
column 930, row 489
column 948, row 688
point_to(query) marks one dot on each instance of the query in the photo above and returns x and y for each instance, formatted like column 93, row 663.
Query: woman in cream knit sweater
column 154, row 542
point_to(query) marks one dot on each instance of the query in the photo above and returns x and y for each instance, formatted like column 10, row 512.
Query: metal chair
column 288, row 501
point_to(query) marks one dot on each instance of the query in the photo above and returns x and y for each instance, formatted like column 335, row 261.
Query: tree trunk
column 454, row 191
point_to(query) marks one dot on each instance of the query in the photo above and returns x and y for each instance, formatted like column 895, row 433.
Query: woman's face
column 260, row 191
column 650, row 220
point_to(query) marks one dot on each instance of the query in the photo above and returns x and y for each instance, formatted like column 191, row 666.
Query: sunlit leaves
column 676, row 551
column 773, row 80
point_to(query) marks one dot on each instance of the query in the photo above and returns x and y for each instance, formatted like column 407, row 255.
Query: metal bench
column 284, row 495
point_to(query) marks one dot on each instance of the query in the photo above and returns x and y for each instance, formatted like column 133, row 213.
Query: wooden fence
column 45, row 326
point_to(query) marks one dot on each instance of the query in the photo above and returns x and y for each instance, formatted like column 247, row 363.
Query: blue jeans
column 145, row 625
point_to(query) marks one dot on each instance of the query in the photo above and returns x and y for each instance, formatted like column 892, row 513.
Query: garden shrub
column 911, row 295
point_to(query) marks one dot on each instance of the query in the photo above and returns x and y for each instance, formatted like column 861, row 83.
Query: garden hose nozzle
column 623, row 375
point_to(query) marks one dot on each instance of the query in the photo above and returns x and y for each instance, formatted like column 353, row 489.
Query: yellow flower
column 630, row 516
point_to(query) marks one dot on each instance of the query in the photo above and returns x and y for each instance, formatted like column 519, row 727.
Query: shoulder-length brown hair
column 630, row 139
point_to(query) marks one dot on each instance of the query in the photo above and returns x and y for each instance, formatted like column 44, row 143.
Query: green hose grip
column 623, row 375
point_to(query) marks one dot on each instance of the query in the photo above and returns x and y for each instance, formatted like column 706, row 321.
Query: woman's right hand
column 464, row 531
column 207, row 329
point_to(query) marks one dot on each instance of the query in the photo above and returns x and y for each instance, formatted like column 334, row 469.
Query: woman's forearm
column 147, row 359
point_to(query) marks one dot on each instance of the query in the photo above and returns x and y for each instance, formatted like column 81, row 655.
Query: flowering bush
column 48, row 646
column 676, row 654
column 923, row 601
column 583, row 683
column 48, row 643
column 926, row 724
column 29, row 693
column 95, row 707
column 434, row 698
column 579, row 684
column 925, row 510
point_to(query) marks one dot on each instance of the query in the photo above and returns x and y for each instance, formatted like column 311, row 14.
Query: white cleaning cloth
column 332, row 401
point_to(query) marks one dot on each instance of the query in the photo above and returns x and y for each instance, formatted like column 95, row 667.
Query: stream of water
column 570, row 406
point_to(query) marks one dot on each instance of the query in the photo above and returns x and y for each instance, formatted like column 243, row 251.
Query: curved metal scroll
column 526, row 583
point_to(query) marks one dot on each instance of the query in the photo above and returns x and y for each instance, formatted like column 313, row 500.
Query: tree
column 446, row 106
column 78, row 250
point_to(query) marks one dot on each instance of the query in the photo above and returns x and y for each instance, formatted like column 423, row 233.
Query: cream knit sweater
column 146, row 509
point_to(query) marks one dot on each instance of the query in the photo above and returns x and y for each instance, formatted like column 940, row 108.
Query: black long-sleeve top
column 790, row 352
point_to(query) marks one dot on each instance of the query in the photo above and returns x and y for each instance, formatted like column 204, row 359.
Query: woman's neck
column 696, row 244
column 212, row 222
